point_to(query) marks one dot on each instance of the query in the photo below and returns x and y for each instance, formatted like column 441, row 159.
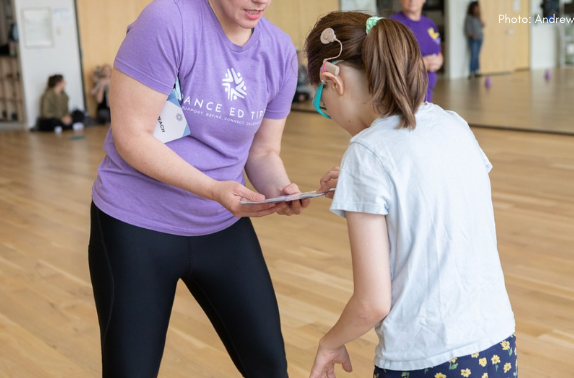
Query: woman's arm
column 265, row 168
column 98, row 90
column 371, row 299
column 135, row 108
column 433, row 62
column 468, row 27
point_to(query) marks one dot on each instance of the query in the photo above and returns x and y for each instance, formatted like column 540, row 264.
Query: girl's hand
column 229, row 193
column 293, row 207
column 328, row 181
column 324, row 365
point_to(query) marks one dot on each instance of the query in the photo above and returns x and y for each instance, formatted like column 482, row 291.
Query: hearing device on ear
column 328, row 36
column 329, row 67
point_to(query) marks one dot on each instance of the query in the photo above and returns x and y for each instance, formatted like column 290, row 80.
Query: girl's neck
column 366, row 118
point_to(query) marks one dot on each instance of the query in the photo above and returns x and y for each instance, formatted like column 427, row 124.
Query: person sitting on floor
column 101, row 92
column 54, row 112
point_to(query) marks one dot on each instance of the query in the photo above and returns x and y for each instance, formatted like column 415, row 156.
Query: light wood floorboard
column 523, row 100
column 48, row 325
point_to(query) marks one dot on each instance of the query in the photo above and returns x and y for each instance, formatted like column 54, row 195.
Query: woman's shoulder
column 398, row 16
column 48, row 93
column 157, row 14
column 428, row 21
column 162, row 6
column 277, row 43
column 273, row 32
column 162, row 11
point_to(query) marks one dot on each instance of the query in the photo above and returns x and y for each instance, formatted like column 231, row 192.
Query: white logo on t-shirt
column 234, row 85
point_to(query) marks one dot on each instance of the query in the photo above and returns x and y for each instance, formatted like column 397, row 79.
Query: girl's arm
column 135, row 108
column 265, row 167
column 371, row 299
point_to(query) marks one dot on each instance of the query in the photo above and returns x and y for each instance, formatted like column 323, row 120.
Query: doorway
column 506, row 45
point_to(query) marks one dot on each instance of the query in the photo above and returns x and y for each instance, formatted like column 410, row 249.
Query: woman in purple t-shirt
column 428, row 37
column 165, row 212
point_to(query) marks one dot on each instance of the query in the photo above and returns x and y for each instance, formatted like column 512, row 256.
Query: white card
column 286, row 198
column 171, row 123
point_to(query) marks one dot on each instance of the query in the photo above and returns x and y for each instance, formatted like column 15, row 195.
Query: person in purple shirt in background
column 165, row 212
column 426, row 33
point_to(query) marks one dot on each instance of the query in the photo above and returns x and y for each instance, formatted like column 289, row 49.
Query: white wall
column 457, row 55
column 37, row 64
column 363, row 5
column 544, row 47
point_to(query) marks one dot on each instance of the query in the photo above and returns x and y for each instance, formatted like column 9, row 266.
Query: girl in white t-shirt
column 414, row 187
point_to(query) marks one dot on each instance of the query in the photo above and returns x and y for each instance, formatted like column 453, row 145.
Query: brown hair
column 389, row 55
column 471, row 7
column 54, row 80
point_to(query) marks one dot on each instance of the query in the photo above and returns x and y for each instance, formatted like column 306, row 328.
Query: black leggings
column 134, row 274
column 49, row 124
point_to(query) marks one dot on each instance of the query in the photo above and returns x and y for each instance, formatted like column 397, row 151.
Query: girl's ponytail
column 395, row 71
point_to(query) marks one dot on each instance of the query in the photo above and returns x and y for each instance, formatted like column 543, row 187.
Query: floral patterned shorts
column 498, row 361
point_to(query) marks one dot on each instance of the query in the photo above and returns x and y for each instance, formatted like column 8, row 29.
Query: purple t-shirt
column 426, row 33
column 227, row 91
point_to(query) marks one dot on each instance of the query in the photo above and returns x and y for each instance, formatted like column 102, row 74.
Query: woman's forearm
column 267, row 173
column 135, row 108
column 98, row 91
column 151, row 157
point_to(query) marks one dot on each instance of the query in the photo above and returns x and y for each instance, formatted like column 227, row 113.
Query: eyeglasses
column 317, row 102
column 319, row 92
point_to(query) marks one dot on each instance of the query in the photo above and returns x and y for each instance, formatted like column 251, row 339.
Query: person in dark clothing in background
column 473, row 26
column 54, row 112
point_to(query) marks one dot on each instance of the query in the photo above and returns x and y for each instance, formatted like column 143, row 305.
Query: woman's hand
column 67, row 119
column 329, row 181
column 433, row 62
column 292, row 207
column 325, row 360
column 229, row 194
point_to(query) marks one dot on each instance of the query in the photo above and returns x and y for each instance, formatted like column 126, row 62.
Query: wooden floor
column 48, row 325
column 524, row 100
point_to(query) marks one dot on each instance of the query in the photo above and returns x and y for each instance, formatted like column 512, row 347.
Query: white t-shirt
column 448, row 292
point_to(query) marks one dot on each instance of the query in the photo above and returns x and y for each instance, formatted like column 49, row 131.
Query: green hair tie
column 372, row 21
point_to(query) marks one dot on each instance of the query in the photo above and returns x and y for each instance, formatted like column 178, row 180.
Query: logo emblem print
column 234, row 85
column 179, row 117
